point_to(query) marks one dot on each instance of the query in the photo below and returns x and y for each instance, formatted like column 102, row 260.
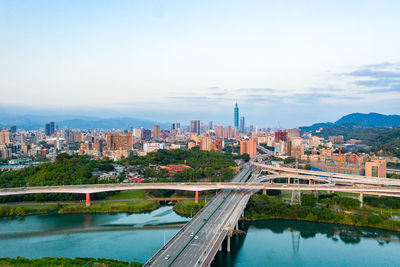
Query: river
column 267, row 243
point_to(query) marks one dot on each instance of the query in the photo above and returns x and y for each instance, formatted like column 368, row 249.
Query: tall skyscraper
column 156, row 132
column 236, row 117
column 195, row 126
column 49, row 128
column 210, row 125
column 242, row 126
column 175, row 126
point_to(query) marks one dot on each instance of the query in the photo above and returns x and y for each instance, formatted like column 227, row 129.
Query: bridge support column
column 196, row 198
column 228, row 244
column 264, row 191
column 237, row 226
column 220, row 248
column 87, row 199
column 361, row 199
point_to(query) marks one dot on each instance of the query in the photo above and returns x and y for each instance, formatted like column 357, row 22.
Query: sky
column 293, row 62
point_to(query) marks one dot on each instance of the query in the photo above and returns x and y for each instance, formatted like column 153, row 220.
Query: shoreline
column 327, row 222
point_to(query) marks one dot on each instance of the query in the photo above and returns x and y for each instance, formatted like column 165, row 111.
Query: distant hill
column 108, row 124
column 360, row 120
column 31, row 122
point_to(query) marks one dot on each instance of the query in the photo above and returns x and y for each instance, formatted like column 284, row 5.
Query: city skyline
column 164, row 61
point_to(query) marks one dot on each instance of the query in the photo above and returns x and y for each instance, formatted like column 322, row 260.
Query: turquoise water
column 74, row 235
column 267, row 243
column 296, row 243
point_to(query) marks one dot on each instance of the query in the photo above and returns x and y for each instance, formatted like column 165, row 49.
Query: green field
column 111, row 207
column 189, row 206
column 132, row 194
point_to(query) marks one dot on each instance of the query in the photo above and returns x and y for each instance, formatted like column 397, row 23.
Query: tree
column 289, row 160
column 245, row 157
column 308, row 200
column 20, row 211
column 208, row 171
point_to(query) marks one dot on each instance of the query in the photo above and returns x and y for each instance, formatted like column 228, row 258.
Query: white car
column 191, row 234
column 167, row 257
column 196, row 237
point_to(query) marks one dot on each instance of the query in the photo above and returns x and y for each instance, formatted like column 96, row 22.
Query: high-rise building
column 251, row 128
column 205, row 143
column 117, row 141
column 210, row 125
column 195, row 126
column 137, row 133
column 248, row 147
column 49, row 128
column 220, row 131
column 175, row 126
column 146, row 134
column 156, row 132
column 293, row 133
column 236, row 116
column 13, row 129
column 4, row 137
column 242, row 127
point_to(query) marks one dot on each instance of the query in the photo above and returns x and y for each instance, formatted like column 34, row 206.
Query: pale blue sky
column 296, row 62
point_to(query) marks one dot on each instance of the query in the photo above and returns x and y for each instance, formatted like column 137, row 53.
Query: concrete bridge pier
column 237, row 226
column 361, row 199
column 196, row 200
column 264, row 191
column 87, row 199
column 228, row 244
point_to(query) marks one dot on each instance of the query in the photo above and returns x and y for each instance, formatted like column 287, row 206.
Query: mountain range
column 359, row 120
column 32, row 122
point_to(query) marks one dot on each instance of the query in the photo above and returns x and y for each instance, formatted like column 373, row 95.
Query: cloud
column 374, row 74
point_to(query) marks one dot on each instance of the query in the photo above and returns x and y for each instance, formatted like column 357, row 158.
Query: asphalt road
column 185, row 249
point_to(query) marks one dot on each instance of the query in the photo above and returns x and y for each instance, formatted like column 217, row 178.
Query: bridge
column 325, row 184
column 197, row 243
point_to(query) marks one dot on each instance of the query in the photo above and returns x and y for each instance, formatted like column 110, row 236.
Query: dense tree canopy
column 65, row 170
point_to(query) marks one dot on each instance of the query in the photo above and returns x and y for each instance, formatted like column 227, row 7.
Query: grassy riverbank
column 345, row 211
column 22, row 210
column 188, row 207
column 66, row 262
column 111, row 207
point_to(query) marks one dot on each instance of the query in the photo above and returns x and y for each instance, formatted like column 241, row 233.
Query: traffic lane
column 207, row 234
column 195, row 246
column 174, row 247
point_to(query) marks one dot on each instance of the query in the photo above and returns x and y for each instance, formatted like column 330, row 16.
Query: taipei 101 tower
column 236, row 117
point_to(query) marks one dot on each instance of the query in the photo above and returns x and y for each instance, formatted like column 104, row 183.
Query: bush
column 373, row 219
column 308, row 200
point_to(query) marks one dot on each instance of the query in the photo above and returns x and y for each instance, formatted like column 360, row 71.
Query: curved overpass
column 340, row 178
column 89, row 189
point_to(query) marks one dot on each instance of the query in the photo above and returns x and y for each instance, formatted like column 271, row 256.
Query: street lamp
column 191, row 212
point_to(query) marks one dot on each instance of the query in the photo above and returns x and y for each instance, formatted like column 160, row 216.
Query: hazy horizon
column 294, row 62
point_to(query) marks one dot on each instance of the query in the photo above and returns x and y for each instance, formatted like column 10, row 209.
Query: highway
column 197, row 234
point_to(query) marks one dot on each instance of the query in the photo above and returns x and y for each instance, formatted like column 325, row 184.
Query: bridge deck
column 195, row 237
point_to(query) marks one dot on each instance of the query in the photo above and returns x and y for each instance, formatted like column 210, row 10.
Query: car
column 196, row 237
column 167, row 257
column 191, row 234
